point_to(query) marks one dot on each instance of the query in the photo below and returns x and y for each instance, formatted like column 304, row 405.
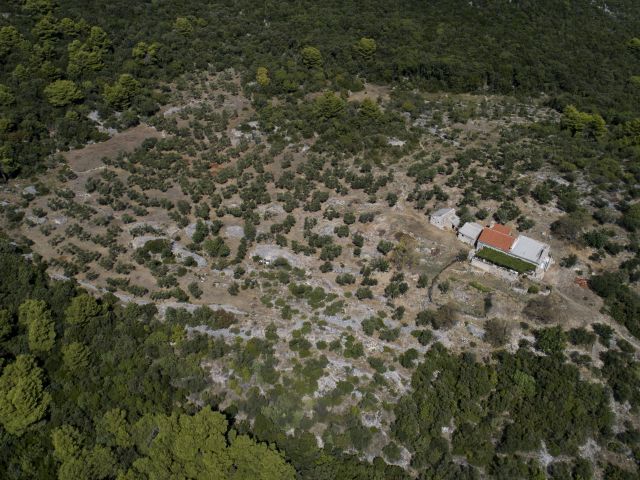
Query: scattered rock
column 269, row 253
column 58, row 276
column 372, row 419
column 36, row 220
column 327, row 229
column 233, row 231
column 335, row 202
column 182, row 253
column 395, row 142
column 544, row 457
column 190, row 229
column 140, row 242
column 30, row 190
column 171, row 110
column 395, row 378
column 130, row 299
column 421, row 121
column 271, row 209
column 475, row 331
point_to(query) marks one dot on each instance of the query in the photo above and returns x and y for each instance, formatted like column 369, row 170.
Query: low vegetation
column 503, row 260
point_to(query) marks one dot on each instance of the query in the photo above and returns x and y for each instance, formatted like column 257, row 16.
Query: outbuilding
column 469, row 233
column 444, row 218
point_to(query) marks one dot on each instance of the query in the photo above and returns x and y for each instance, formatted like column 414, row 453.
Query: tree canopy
column 23, row 400
column 202, row 447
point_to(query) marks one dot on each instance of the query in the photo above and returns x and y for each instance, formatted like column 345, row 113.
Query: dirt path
column 433, row 281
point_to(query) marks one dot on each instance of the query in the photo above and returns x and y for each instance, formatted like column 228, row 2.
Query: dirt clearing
column 90, row 157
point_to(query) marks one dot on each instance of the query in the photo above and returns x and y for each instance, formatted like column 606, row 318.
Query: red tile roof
column 496, row 238
column 501, row 229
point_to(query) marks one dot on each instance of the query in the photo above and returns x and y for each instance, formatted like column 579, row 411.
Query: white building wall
column 449, row 220
column 465, row 239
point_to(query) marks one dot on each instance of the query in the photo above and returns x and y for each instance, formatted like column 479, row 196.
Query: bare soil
column 90, row 157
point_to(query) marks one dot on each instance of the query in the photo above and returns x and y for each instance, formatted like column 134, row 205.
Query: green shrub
column 551, row 341
column 497, row 332
column 345, row 279
column 604, row 332
column 384, row 247
column 581, row 336
column 364, row 293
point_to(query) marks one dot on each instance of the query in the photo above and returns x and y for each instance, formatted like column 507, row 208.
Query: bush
column 444, row 286
column 631, row 218
column 349, row 218
column 507, row 212
column 195, row 290
column 497, row 332
column 581, row 336
column 569, row 261
column 423, row 336
column 234, row 289
column 366, row 217
column 398, row 313
column 345, row 279
column 364, row 293
column 392, row 452
column 445, row 317
column 424, row 318
column 551, row 341
column 341, row 231
column 330, row 252
column 604, row 332
column 408, row 358
column 377, row 364
column 215, row 247
column 326, row 267
column 352, row 348
column 525, row 223
column 357, row 240
column 543, row 309
column 384, row 247
column 621, row 301
column 380, row 264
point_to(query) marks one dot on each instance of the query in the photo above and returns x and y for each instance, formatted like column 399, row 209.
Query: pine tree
column 41, row 332
column 23, row 400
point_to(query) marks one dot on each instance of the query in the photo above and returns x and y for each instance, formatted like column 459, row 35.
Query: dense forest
column 122, row 353
column 60, row 60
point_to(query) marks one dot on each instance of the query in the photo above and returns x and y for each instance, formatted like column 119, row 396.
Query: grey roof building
column 444, row 218
column 469, row 232
column 532, row 251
